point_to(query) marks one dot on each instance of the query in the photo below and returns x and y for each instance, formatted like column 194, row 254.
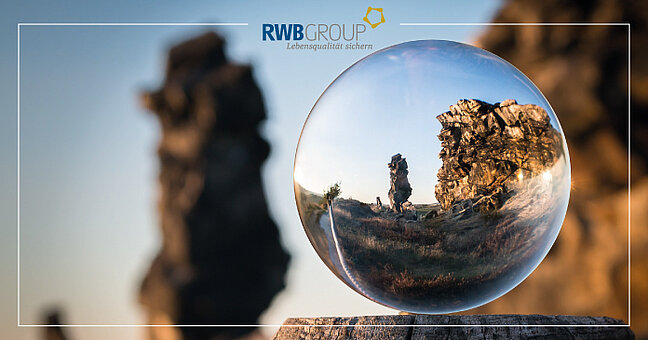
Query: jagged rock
column 409, row 211
column 221, row 261
column 462, row 208
column 434, row 212
column 583, row 72
column 488, row 148
column 400, row 189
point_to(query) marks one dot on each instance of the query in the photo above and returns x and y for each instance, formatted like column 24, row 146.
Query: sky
column 387, row 104
column 88, row 166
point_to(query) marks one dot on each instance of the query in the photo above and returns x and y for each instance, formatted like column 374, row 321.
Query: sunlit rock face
column 488, row 149
column 479, row 200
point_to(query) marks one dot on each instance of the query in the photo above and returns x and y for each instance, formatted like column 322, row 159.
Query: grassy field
column 435, row 265
column 437, row 260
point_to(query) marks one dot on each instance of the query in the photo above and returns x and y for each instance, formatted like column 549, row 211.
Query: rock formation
column 583, row 72
column 486, row 149
column 221, row 261
column 53, row 318
column 400, row 189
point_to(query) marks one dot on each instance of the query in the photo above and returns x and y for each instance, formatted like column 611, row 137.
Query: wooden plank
column 418, row 327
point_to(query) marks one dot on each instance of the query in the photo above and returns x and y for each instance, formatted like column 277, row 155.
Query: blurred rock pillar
column 52, row 318
column 583, row 72
column 221, row 261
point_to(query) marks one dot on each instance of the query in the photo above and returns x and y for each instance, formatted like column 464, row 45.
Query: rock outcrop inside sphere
column 400, row 188
column 221, row 261
column 487, row 149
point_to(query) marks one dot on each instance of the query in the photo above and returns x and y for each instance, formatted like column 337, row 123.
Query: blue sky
column 387, row 104
column 88, row 163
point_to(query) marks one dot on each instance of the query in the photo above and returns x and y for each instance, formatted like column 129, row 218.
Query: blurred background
column 92, row 201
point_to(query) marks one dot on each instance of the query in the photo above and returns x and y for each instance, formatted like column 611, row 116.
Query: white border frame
column 19, row 25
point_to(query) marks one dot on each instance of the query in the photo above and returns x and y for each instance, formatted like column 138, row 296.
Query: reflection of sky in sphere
column 503, row 199
column 387, row 103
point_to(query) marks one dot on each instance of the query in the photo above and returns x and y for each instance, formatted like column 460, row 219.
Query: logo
column 378, row 10
column 313, row 32
column 323, row 36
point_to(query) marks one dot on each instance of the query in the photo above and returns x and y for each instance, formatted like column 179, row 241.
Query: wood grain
column 415, row 327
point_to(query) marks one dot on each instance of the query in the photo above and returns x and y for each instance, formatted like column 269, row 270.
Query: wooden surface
column 416, row 327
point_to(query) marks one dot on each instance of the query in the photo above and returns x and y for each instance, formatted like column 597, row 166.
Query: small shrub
column 332, row 192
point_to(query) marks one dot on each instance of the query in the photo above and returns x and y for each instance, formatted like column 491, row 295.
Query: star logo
column 366, row 17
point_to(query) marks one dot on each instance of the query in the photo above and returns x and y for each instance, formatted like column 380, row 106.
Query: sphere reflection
column 432, row 176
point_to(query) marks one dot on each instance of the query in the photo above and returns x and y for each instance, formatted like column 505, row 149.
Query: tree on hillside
column 332, row 192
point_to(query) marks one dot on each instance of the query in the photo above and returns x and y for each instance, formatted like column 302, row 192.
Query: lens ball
column 432, row 176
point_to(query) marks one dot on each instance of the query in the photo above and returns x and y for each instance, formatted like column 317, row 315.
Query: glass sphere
column 432, row 176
